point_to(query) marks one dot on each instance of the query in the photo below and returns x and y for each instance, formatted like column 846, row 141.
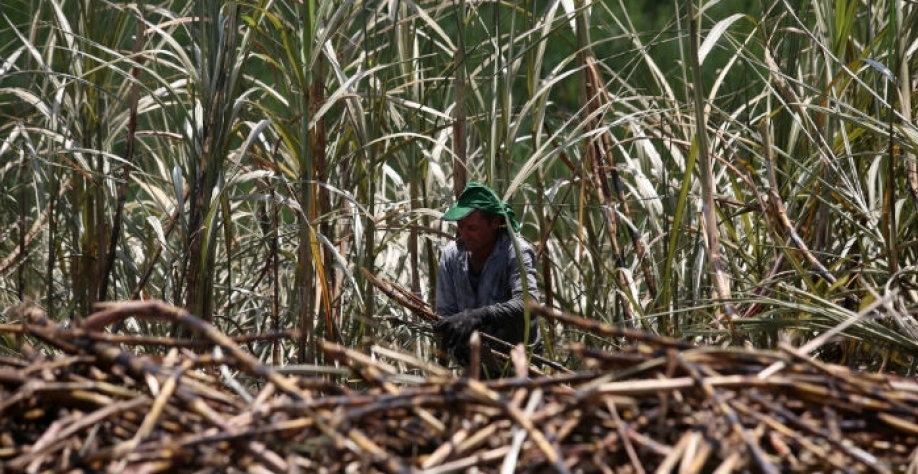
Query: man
column 481, row 282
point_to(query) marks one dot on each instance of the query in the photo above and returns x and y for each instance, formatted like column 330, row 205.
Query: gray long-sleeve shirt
column 500, row 286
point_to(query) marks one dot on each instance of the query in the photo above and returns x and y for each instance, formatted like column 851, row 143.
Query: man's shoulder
column 505, row 241
column 452, row 248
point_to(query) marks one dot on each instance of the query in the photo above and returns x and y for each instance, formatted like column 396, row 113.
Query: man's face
column 478, row 232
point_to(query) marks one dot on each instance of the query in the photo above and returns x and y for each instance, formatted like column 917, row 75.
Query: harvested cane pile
column 659, row 406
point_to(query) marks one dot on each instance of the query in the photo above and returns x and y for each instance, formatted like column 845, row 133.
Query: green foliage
column 720, row 171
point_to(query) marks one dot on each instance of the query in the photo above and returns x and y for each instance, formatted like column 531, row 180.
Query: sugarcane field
column 427, row 237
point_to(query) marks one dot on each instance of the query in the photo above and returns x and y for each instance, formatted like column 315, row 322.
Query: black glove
column 455, row 330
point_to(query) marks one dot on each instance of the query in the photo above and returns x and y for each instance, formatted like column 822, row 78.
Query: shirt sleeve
column 447, row 302
column 516, row 276
column 507, row 318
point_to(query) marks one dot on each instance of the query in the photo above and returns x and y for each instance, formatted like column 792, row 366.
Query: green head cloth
column 478, row 196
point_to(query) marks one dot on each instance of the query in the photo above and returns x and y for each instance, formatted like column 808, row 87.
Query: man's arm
column 446, row 304
column 528, row 270
column 506, row 320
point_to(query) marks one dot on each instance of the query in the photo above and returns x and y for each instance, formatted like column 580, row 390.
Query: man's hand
column 455, row 330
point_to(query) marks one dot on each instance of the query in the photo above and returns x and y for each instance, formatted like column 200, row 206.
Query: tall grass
column 725, row 177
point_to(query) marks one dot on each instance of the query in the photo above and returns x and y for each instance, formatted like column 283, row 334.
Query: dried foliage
column 79, row 402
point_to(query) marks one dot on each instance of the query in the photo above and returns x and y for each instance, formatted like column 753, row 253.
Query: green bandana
column 478, row 196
